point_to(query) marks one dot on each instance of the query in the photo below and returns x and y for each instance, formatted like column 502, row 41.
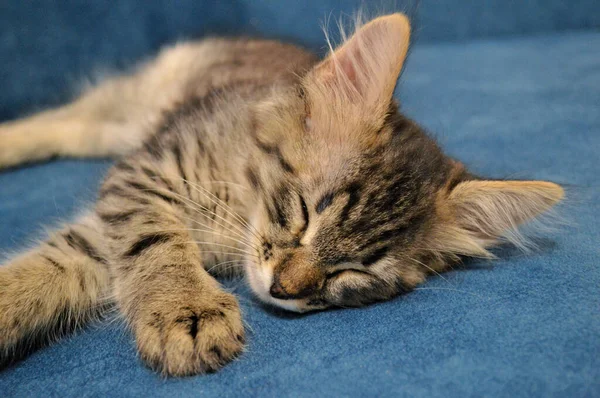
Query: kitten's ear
column 490, row 209
column 367, row 66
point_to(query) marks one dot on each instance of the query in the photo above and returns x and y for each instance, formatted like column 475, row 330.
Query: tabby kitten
column 251, row 152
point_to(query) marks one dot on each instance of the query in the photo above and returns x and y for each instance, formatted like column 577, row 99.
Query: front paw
column 198, row 336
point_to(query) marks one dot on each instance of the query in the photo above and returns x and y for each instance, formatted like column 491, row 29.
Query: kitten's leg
column 183, row 322
column 52, row 289
column 111, row 119
column 106, row 121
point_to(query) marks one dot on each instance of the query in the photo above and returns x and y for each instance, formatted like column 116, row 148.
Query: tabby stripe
column 279, row 215
column 201, row 147
column 154, row 148
column 78, row 242
column 179, row 162
column 117, row 190
column 152, row 191
column 155, row 177
column 305, row 214
column 146, row 242
column 375, row 256
column 115, row 218
column 384, row 237
column 54, row 263
column 324, row 202
column 275, row 151
column 403, row 229
column 253, row 179
column 81, row 279
column 124, row 166
column 353, row 192
column 111, row 190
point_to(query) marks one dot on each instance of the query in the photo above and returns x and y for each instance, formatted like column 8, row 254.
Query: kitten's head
column 355, row 203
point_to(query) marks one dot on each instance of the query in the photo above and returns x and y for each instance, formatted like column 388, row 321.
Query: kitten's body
column 245, row 151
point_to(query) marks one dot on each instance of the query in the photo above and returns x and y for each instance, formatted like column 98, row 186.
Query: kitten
column 247, row 152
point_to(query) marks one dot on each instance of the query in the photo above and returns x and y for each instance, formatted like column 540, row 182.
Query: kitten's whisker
column 234, row 262
column 203, row 208
column 221, row 253
column 231, row 269
column 240, row 236
column 222, row 245
column 197, row 187
column 227, row 182
column 209, row 231
column 209, row 211
column 431, row 269
column 223, row 205
column 248, row 245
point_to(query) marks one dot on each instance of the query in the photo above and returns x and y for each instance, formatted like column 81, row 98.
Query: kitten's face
column 354, row 203
column 343, row 223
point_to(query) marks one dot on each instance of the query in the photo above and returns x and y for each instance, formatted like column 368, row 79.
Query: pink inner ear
column 349, row 62
column 347, row 67
column 365, row 68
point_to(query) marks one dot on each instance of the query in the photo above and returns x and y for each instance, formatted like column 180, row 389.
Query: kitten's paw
column 198, row 337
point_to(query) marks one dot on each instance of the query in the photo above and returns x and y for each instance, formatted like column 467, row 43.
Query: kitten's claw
column 195, row 338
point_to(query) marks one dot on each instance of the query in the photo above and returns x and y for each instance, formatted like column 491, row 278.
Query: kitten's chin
column 260, row 282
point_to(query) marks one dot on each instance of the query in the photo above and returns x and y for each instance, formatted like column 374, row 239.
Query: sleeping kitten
column 247, row 152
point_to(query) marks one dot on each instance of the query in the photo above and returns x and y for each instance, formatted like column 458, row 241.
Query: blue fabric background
column 512, row 89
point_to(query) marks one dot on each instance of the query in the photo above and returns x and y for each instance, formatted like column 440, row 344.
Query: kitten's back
column 118, row 115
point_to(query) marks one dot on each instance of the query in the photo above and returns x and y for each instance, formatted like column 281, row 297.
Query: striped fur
column 253, row 155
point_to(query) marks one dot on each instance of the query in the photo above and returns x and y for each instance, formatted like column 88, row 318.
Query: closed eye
column 305, row 216
column 304, row 213
column 346, row 267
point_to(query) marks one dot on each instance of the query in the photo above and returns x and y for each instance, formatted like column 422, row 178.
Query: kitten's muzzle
column 296, row 277
column 277, row 291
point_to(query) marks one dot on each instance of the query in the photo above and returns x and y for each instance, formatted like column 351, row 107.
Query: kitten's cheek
column 257, row 282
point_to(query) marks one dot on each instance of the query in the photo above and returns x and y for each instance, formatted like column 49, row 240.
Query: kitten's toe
column 193, row 339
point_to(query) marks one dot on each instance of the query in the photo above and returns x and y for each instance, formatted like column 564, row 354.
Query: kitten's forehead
column 383, row 196
column 370, row 214
column 370, row 188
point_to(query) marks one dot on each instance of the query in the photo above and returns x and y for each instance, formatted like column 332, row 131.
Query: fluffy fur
column 251, row 153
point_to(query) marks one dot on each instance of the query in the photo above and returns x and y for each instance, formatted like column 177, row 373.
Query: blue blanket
column 524, row 325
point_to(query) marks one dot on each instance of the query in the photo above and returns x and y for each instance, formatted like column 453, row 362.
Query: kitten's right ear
column 365, row 68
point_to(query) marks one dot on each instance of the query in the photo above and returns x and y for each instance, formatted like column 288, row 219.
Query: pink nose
column 279, row 292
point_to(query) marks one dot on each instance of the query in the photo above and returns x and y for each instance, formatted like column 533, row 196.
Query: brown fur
column 247, row 154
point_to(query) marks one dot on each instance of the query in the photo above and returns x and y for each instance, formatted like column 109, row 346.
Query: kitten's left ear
column 486, row 210
column 366, row 67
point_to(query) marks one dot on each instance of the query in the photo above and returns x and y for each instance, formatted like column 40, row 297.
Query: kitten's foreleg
column 52, row 289
column 183, row 322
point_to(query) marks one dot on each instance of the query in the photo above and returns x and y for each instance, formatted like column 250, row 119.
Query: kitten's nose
column 277, row 291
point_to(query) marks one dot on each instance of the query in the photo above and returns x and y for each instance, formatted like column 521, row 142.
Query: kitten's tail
column 52, row 290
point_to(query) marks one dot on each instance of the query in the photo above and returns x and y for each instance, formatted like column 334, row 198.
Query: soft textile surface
column 520, row 326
